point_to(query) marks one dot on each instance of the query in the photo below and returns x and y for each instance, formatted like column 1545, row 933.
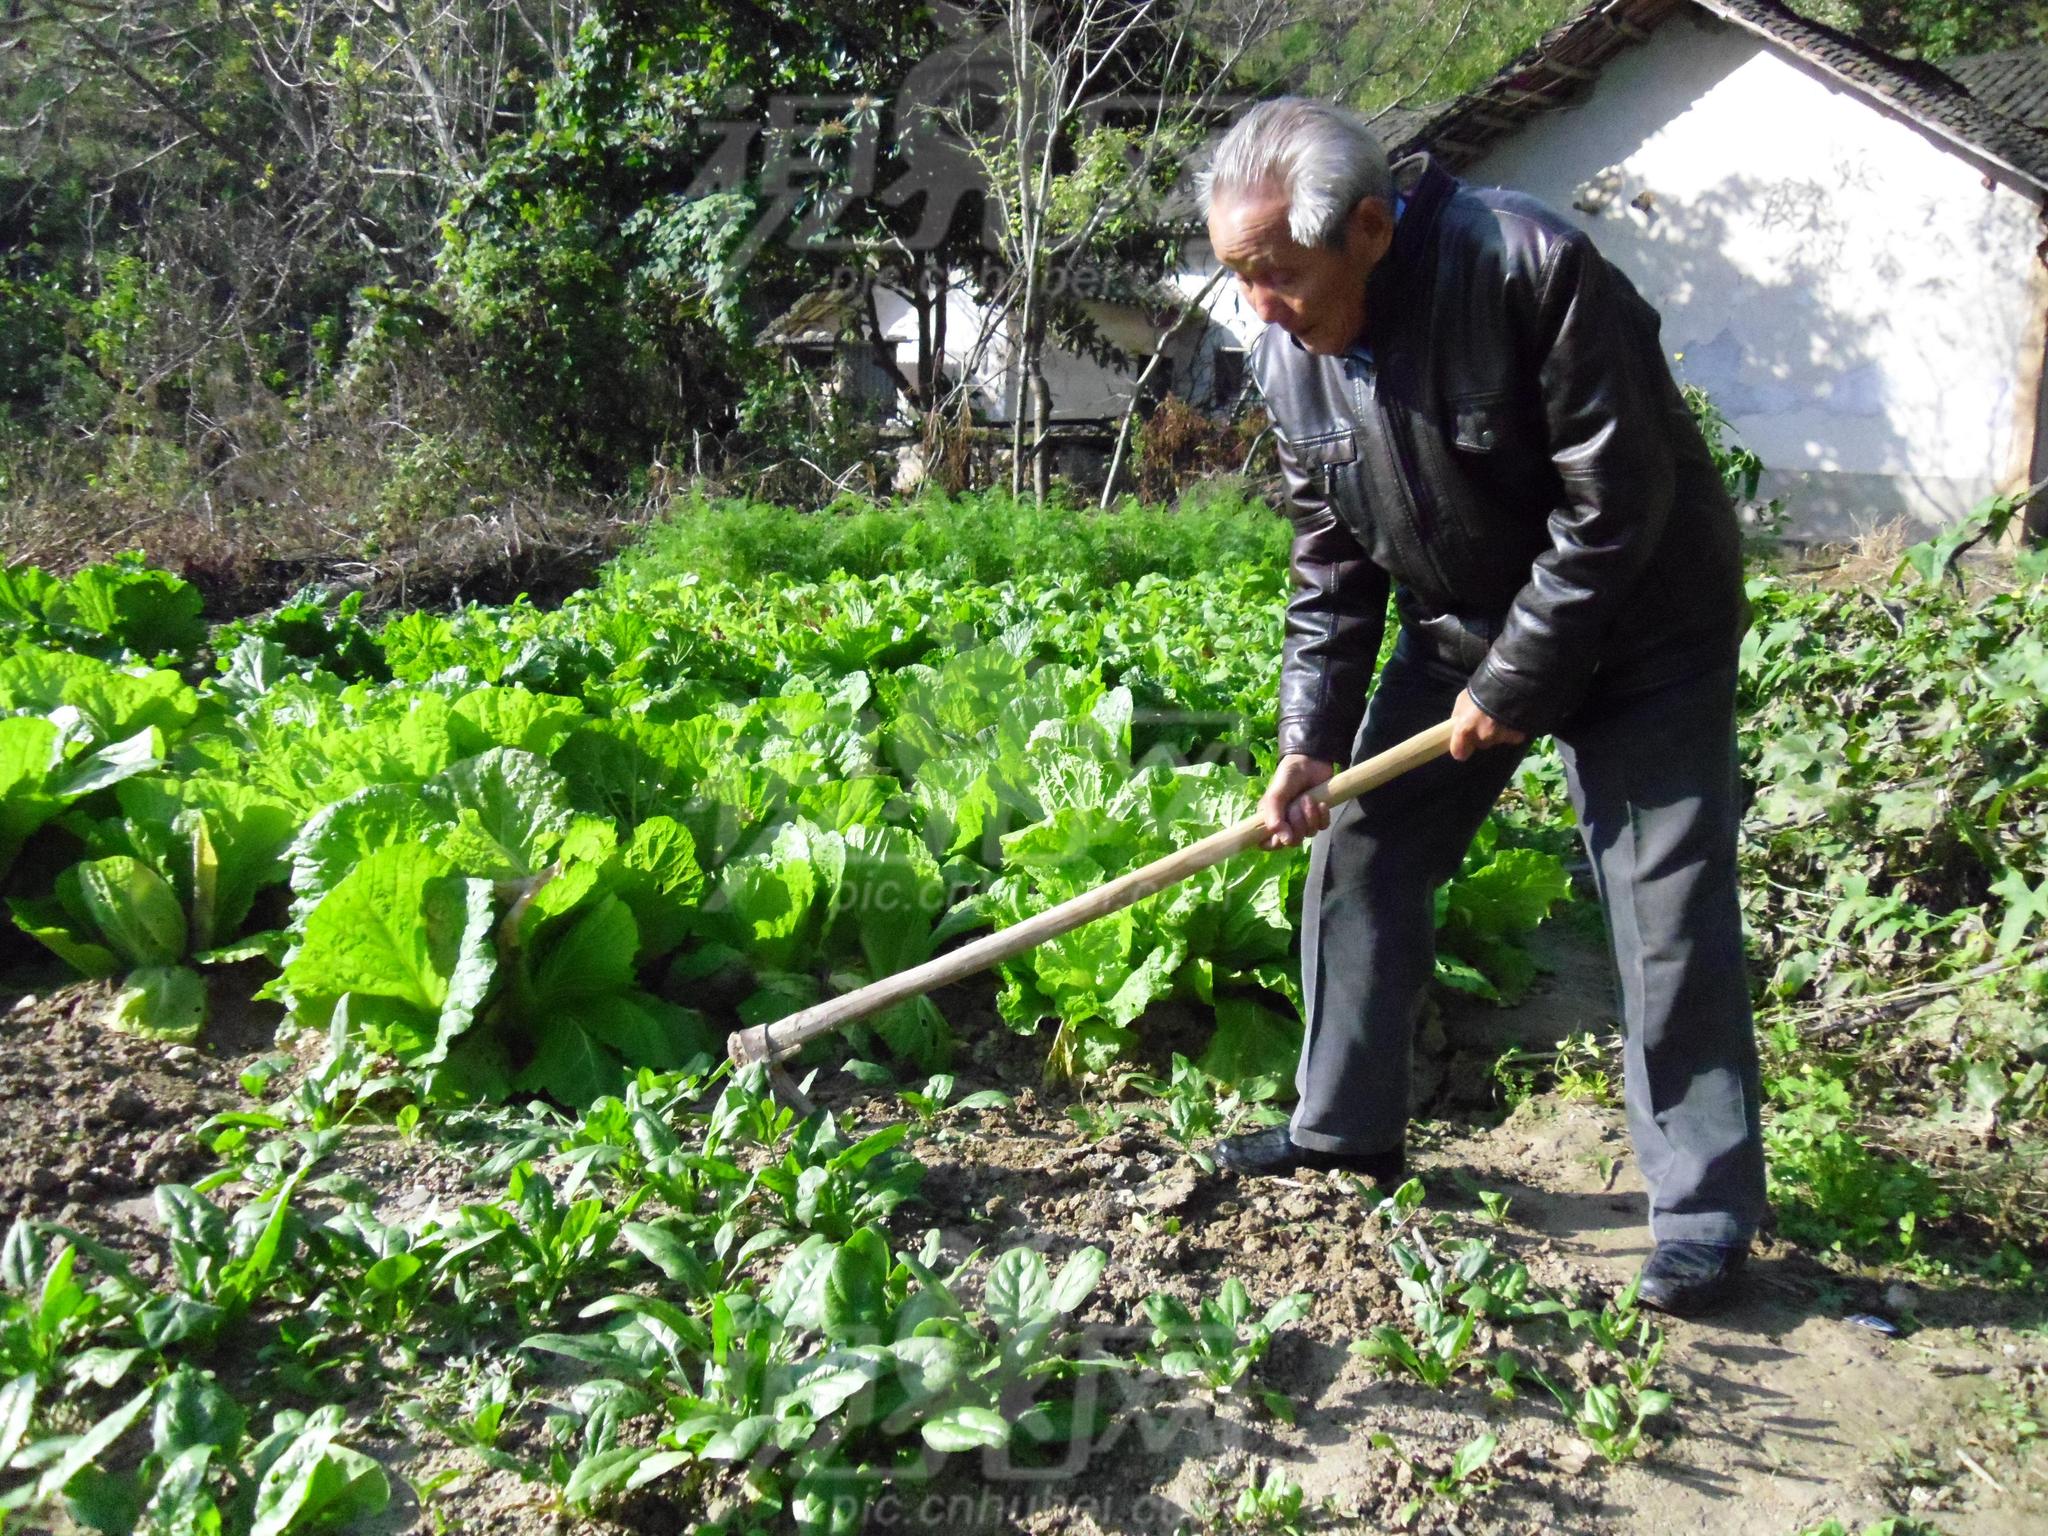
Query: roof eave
column 1968, row 147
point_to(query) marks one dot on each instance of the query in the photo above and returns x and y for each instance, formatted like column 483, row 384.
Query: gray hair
column 1322, row 156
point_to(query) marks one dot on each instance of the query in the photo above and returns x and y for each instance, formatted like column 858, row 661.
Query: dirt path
column 1787, row 1413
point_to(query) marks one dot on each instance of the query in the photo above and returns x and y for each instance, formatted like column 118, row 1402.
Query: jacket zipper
column 1416, row 493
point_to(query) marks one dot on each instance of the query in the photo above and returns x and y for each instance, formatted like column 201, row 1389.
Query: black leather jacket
column 1515, row 461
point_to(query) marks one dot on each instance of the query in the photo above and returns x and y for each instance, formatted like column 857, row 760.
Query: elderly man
column 1475, row 416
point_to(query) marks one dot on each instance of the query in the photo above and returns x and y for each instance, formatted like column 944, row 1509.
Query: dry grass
column 406, row 492
column 544, row 541
column 1866, row 563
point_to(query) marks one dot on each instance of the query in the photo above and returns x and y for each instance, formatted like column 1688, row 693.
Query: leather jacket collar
column 1425, row 187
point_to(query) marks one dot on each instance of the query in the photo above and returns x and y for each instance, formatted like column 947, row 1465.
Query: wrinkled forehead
column 1250, row 226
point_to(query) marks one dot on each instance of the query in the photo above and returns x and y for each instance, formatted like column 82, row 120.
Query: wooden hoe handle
column 774, row 1042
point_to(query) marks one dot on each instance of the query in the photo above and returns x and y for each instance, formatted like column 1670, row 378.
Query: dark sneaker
column 1689, row 1279
column 1272, row 1152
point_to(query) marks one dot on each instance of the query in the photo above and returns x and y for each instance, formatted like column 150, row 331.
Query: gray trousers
column 1652, row 779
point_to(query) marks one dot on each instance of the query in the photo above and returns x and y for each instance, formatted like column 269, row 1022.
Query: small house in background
column 1202, row 361
column 1847, row 248
column 824, row 337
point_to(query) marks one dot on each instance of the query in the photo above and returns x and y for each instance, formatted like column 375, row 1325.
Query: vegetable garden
column 502, row 879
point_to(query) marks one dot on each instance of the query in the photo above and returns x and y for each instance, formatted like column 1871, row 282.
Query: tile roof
column 823, row 317
column 1555, row 71
column 2014, row 82
column 1398, row 125
column 1548, row 76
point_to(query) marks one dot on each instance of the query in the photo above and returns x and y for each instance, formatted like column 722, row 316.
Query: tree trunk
column 921, row 301
column 941, row 299
column 1041, row 427
column 1123, row 427
column 1019, row 392
column 1196, row 305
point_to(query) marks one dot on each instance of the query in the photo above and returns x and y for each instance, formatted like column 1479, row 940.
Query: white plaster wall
column 963, row 325
column 1080, row 387
column 1860, row 304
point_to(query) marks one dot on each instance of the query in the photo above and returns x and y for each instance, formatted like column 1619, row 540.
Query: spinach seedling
column 934, row 1102
column 1219, row 1344
column 223, row 1266
column 1612, row 1414
column 545, row 1244
column 824, row 1183
column 1455, row 1484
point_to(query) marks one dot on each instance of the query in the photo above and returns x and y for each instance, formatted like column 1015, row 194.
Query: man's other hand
column 1286, row 809
column 1473, row 728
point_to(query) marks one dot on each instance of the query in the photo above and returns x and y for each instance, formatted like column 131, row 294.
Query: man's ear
column 1369, row 230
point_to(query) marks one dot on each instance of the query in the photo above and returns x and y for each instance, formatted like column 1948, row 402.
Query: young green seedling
column 544, row 1245
column 824, row 1183
column 934, row 1102
column 1611, row 1415
column 1219, row 1344
column 50, row 1316
column 222, row 1265
column 1446, row 1301
column 1276, row 1506
column 1193, row 1108
column 1459, row 1482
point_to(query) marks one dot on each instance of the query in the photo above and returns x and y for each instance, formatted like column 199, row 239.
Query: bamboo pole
column 774, row 1042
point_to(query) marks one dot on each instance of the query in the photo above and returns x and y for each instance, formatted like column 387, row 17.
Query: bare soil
column 1786, row 1414
column 92, row 1120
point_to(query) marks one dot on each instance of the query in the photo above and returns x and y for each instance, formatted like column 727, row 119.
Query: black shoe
column 1688, row 1279
column 1272, row 1151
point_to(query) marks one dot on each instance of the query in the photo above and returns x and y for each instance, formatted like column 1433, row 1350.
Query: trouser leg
column 1368, row 917
column 1653, row 781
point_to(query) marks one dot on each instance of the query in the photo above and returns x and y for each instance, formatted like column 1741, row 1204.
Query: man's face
column 1314, row 293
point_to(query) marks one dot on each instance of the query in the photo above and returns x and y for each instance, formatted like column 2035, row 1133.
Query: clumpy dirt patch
column 1785, row 1412
column 92, row 1120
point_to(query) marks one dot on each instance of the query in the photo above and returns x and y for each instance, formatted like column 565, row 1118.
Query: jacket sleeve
column 1335, row 618
column 1598, row 366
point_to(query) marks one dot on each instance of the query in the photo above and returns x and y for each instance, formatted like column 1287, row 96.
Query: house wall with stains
column 1858, row 296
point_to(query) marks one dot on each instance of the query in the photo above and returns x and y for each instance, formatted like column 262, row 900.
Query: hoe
column 772, row 1043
